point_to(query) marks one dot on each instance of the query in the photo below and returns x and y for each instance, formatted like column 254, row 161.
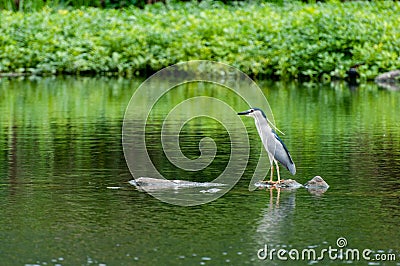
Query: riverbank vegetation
column 290, row 40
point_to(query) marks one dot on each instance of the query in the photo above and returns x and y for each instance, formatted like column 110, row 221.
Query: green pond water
column 65, row 197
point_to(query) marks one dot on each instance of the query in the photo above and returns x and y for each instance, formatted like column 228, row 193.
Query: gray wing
column 282, row 155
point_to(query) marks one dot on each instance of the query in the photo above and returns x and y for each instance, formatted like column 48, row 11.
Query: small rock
column 391, row 76
column 316, row 182
column 389, row 80
column 317, row 185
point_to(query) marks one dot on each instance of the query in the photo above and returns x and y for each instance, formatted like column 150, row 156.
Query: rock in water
column 149, row 183
column 391, row 76
column 389, row 80
column 317, row 181
column 284, row 184
column 317, row 185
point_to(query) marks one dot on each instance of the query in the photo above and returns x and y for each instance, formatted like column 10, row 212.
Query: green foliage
column 293, row 40
column 34, row 5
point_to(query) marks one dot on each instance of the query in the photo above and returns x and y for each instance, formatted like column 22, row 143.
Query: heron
column 276, row 149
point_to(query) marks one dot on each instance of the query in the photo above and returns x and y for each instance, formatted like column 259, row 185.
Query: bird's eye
column 251, row 110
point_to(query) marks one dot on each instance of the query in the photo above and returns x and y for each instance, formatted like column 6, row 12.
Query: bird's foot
column 271, row 182
column 275, row 184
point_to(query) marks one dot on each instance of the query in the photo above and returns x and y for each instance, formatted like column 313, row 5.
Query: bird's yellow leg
column 272, row 173
column 277, row 170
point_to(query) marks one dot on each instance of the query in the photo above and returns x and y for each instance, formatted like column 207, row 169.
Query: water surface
column 61, row 151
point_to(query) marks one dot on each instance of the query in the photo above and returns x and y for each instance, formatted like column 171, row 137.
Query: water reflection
column 276, row 217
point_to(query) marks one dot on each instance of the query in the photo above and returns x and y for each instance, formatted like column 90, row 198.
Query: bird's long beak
column 243, row 113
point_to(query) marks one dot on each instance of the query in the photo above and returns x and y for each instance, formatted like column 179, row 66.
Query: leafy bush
column 34, row 5
column 288, row 41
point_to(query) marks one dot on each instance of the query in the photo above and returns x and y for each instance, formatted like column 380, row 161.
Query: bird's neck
column 262, row 124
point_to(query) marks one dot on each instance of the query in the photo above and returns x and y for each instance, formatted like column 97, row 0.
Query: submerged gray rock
column 211, row 190
column 149, row 183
